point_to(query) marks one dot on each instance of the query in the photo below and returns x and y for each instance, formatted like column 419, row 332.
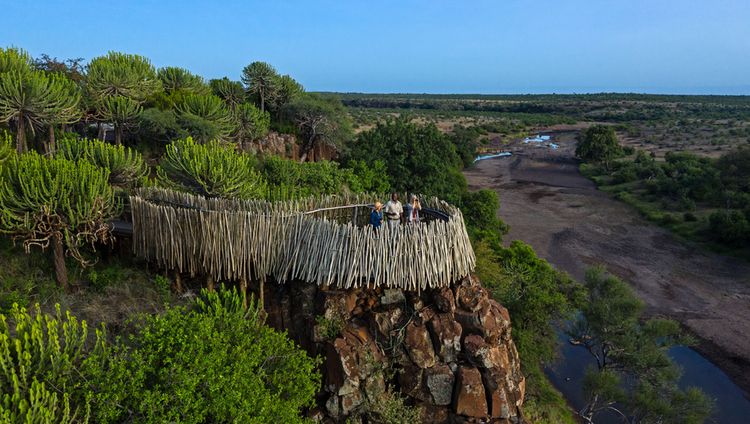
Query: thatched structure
column 322, row 240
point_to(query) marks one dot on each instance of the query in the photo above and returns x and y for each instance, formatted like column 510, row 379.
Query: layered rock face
column 448, row 351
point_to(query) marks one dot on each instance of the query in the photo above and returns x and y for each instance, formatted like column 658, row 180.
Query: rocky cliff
column 449, row 352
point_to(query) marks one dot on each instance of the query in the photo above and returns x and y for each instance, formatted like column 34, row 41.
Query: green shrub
column 212, row 362
column 41, row 356
column 212, row 170
column 730, row 227
column 103, row 278
column 126, row 166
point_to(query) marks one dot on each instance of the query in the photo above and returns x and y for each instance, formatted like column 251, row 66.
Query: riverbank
column 562, row 215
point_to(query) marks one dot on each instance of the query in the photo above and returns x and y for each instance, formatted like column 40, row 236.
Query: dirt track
column 549, row 205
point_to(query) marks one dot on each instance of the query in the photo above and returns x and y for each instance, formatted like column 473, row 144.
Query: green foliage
column 730, row 227
column 33, row 99
column 99, row 279
column 625, row 348
column 287, row 90
column 480, row 213
column 371, row 177
column 212, row 362
column 250, row 123
column 211, row 169
column 330, row 328
column 160, row 125
column 43, row 199
column 261, row 80
column 120, row 74
column 6, row 146
column 210, row 109
column 180, row 79
column 320, row 120
column 40, row 356
column 14, row 60
column 125, row 165
column 289, row 179
column 230, row 91
column 419, row 159
column 598, row 144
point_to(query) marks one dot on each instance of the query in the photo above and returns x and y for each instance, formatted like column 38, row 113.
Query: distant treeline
column 611, row 107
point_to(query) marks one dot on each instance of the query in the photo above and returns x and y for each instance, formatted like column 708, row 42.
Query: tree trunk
column 58, row 257
column 51, row 145
column 118, row 134
column 306, row 148
column 243, row 291
column 21, row 135
column 210, row 283
column 262, row 101
column 177, row 282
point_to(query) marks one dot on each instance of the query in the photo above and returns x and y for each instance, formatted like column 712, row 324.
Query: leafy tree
column 734, row 168
column 33, row 99
column 288, row 89
column 250, row 123
column 420, row 159
column 42, row 356
column 230, row 91
column 632, row 367
column 211, row 170
column 117, row 86
column 261, row 80
column 290, row 179
column 121, row 74
column 211, row 111
column 480, row 212
column 598, row 144
column 56, row 201
column 159, row 125
column 14, row 60
column 179, row 79
column 730, row 227
column 126, row 166
column 320, row 120
column 121, row 111
column 72, row 69
column 211, row 362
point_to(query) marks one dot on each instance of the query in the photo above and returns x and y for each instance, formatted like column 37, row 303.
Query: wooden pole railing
column 315, row 240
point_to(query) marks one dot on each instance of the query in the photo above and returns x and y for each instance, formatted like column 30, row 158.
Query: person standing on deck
column 411, row 210
column 393, row 211
column 376, row 216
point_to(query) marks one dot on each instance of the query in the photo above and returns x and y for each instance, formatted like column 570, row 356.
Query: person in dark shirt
column 376, row 216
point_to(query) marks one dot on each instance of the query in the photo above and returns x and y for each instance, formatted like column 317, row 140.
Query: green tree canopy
column 211, row 169
column 126, row 166
column 288, row 89
column 419, row 158
column 14, row 60
column 598, row 144
column 632, row 368
column 250, row 123
column 212, row 362
column 206, row 117
column 261, row 81
column 319, row 120
column 33, row 99
column 179, row 79
column 232, row 92
column 121, row 74
column 56, row 201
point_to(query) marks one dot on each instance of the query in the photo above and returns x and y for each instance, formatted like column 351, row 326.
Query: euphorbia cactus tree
column 56, row 202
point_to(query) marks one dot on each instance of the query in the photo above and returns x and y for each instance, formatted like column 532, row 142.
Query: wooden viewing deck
column 323, row 240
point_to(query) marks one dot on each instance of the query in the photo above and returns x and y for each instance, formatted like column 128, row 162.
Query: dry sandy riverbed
column 562, row 215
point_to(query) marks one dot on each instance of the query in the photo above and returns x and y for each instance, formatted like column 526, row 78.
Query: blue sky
column 501, row 46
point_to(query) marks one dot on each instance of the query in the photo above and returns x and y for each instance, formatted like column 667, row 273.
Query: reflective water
column 731, row 404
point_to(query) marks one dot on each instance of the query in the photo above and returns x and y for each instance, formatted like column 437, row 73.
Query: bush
column 126, row 166
column 212, row 362
column 211, row 170
column 730, row 227
column 41, row 355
